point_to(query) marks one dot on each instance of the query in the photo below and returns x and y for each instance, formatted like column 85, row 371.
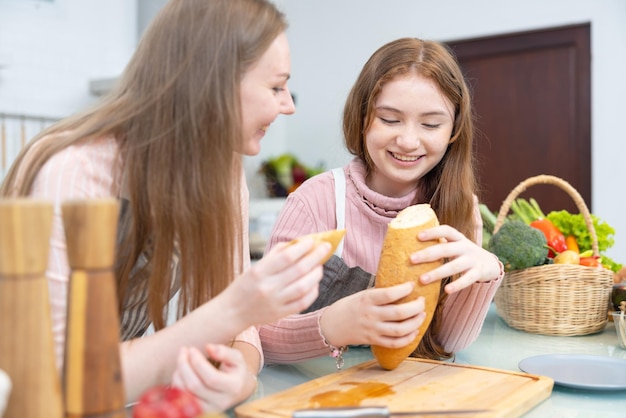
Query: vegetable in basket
column 525, row 210
column 489, row 223
column 529, row 212
column 567, row 257
column 574, row 224
column 518, row 245
column 589, row 261
column 572, row 244
column 554, row 237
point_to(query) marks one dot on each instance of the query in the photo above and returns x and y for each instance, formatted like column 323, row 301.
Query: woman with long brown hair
column 205, row 83
column 408, row 123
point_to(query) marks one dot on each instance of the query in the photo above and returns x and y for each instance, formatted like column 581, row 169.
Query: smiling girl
column 408, row 123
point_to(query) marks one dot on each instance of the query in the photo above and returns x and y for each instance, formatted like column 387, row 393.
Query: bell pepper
column 570, row 240
column 554, row 237
column 590, row 261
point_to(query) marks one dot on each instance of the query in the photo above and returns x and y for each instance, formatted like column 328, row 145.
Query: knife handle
column 344, row 412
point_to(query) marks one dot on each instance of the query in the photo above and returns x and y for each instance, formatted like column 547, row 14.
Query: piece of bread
column 333, row 237
column 395, row 267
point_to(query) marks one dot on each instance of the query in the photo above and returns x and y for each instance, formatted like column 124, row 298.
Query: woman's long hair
column 450, row 186
column 176, row 116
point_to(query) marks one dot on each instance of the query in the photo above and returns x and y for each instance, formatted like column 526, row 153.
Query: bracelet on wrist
column 337, row 353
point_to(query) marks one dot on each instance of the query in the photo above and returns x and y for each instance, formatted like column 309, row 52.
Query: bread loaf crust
column 395, row 268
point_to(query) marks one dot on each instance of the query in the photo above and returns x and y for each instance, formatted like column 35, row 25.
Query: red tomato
column 167, row 402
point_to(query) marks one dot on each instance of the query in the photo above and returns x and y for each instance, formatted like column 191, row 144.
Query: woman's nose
column 287, row 105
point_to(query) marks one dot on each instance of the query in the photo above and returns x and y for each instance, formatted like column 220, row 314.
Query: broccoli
column 519, row 245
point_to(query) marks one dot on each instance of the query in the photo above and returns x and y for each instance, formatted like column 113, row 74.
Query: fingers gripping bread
column 333, row 237
column 395, row 268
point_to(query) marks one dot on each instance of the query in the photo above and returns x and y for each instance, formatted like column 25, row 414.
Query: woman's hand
column 217, row 389
column 283, row 282
column 371, row 317
column 465, row 258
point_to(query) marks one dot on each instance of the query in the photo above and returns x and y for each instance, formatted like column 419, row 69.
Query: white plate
column 578, row 370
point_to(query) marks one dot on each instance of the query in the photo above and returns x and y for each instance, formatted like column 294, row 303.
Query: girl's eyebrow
column 389, row 108
column 435, row 113
column 431, row 113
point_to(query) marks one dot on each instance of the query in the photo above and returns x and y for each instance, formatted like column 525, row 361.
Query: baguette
column 396, row 268
column 333, row 237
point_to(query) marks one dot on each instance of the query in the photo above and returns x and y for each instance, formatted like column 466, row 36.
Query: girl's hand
column 465, row 258
column 217, row 389
column 283, row 282
column 371, row 317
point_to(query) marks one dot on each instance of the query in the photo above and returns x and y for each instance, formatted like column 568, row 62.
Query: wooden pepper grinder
column 26, row 344
column 92, row 378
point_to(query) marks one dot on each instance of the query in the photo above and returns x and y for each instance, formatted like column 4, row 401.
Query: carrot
column 590, row 262
column 571, row 243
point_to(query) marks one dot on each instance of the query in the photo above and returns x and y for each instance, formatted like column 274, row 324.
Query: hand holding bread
column 393, row 317
column 285, row 281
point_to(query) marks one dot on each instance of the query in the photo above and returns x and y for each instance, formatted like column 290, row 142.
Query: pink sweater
column 311, row 208
column 85, row 171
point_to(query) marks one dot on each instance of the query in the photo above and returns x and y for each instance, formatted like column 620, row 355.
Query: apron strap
column 340, row 203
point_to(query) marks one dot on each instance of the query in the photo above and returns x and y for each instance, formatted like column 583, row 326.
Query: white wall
column 50, row 51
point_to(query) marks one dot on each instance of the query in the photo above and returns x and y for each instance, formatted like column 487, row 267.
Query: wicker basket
column 554, row 299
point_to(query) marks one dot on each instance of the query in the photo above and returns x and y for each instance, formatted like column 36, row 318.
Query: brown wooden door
column 531, row 93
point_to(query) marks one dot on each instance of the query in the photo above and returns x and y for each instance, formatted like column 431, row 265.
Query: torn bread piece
column 333, row 237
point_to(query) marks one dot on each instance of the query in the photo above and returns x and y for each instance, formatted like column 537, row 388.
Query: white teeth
column 264, row 128
column 403, row 157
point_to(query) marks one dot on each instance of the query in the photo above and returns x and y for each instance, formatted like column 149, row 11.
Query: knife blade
column 375, row 412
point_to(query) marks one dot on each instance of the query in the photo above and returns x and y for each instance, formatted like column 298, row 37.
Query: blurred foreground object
column 5, row 391
column 93, row 377
column 167, row 402
column 26, row 345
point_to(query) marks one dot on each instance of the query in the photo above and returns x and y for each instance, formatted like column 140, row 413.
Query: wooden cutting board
column 416, row 384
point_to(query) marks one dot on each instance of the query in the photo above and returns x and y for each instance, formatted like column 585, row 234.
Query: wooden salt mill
column 92, row 378
column 26, row 344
